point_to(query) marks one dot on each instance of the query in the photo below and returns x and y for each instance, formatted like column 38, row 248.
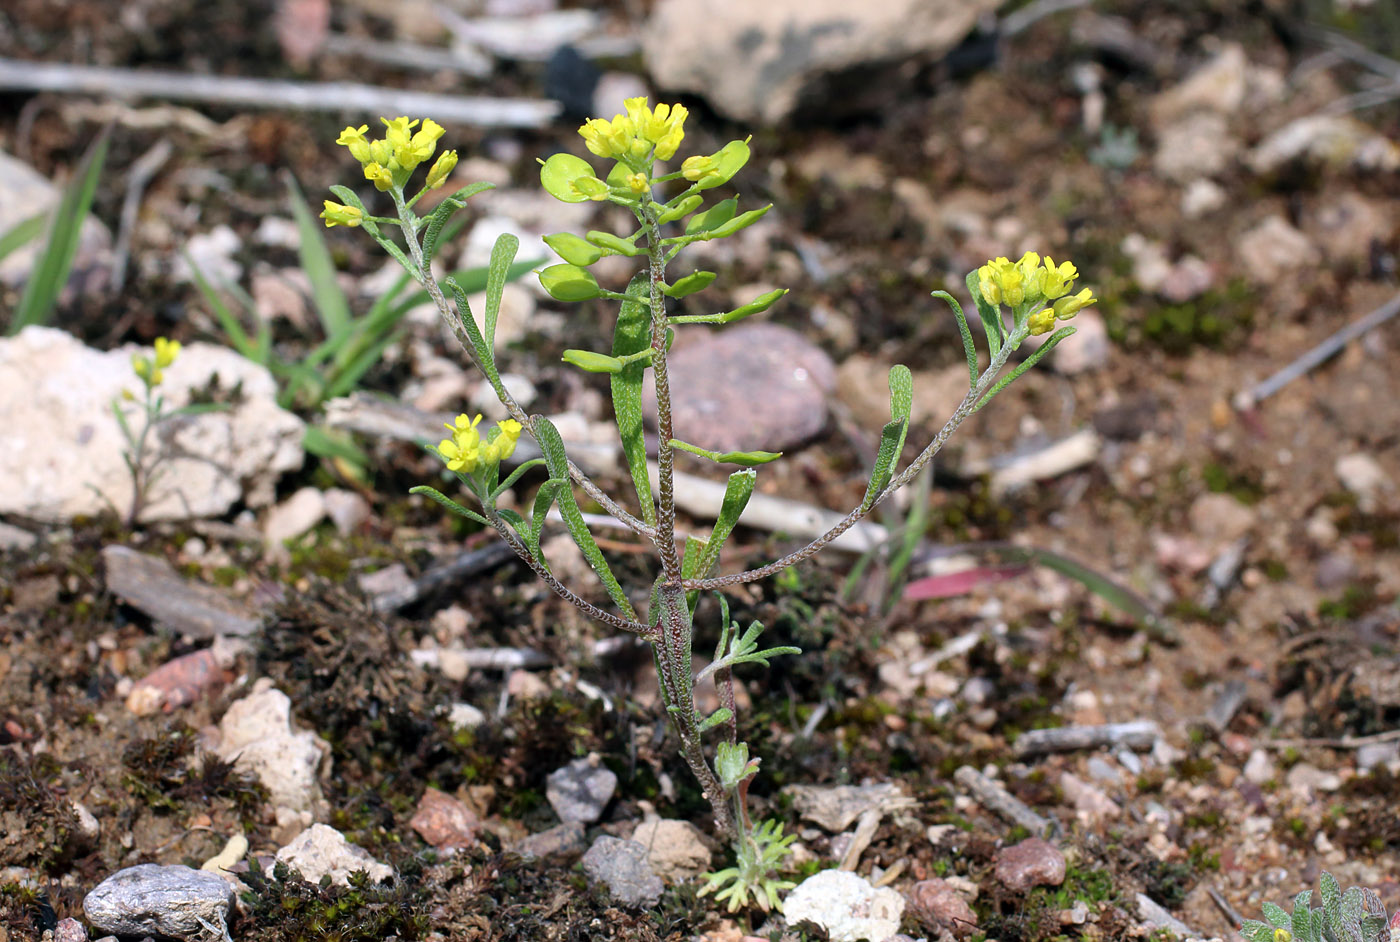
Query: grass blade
column 331, row 306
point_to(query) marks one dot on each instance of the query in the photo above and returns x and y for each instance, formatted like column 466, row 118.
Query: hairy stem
column 665, row 455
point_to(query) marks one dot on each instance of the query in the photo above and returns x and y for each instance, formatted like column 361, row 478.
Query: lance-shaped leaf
column 691, row 557
column 992, row 324
column 485, row 354
column 1278, row 916
column 432, row 229
column 714, row 217
column 969, row 347
column 592, row 362
column 695, row 281
column 497, row 273
column 893, row 434
column 631, row 336
column 722, row 715
column 449, row 503
column 547, row 436
column 736, row 497
column 544, row 499
column 1302, row 921
column 1256, row 931
column 1050, row 343
column 573, row 249
column 570, row 283
column 1331, row 903
column 746, row 458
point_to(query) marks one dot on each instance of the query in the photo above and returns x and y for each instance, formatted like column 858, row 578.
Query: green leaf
column 1351, row 909
column 486, row 357
column 544, row 499
column 517, row 522
column 65, row 224
column 432, row 230
column 1050, row 343
column 1301, row 923
column 747, row 459
column 515, row 475
column 569, row 283
column 690, row 566
column 714, row 217
column 1278, row 917
column 722, row 715
column 1256, row 931
column 736, row 497
column 497, row 274
column 547, row 436
column 573, row 249
column 613, row 243
column 331, row 305
column 24, row 232
column 632, row 335
column 558, row 174
column 449, row 503
column 695, row 281
column 969, row 347
column 992, row 324
column 1331, row 902
column 893, row 434
column 592, row 362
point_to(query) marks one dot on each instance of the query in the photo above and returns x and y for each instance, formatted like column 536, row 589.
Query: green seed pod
column 593, row 362
column 573, row 249
column 740, row 222
column 569, row 283
column 712, row 218
column 606, row 240
column 757, row 306
column 695, row 281
column 559, row 173
column 683, row 208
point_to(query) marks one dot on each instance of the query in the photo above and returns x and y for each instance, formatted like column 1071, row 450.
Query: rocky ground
column 295, row 702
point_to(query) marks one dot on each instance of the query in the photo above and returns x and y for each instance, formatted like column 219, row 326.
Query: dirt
column 1309, row 622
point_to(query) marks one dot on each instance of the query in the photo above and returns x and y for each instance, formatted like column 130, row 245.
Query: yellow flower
column 1065, row 308
column 441, row 168
column 1057, row 279
column 457, row 457
column 382, row 177
column 338, row 214
column 988, row 285
column 420, row 147
column 693, row 168
column 1283, row 935
column 1032, row 277
column 609, row 138
column 140, row 365
column 1042, row 321
column 637, row 182
column 354, row 138
column 166, row 352
column 664, row 127
column 380, row 152
column 465, row 451
column 505, row 441
column 399, row 132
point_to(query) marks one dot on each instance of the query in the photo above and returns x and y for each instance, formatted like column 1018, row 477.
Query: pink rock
column 943, row 907
column 445, row 822
column 1033, row 862
column 176, row 683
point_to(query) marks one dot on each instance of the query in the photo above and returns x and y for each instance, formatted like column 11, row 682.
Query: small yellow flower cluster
column 1030, row 282
column 466, row 450
column 389, row 162
column 630, row 137
column 151, row 370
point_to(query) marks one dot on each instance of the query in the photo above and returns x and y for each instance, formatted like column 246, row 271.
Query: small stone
column 1085, row 351
column 1201, row 197
column 1334, row 571
column 1033, row 862
column 258, row 737
column 846, row 905
column 211, row 255
column 1197, row 145
column 69, row 930
column 1219, row 518
column 176, row 902
column 321, row 850
column 445, row 822
column 1219, row 85
column 566, row 838
column 622, row 866
column 1337, row 141
column 294, row 516
column 580, row 790
column 392, row 578
column 16, row 538
column 526, row 685
column 1376, row 754
column 151, row 585
column 1363, row 476
column 1309, row 778
column 177, row 683
column 942, row 907
column 716, row 379
column 347, row 510
column 1104, row 771
column 676, row 850
column 1273, row 250
column 276, row 296
column 1091, row 805
column 464, row 716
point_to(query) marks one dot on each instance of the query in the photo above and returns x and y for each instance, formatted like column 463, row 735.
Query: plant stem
column 138, row 463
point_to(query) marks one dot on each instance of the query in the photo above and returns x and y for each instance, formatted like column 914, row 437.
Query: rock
column 676, row 851
column 16, row 538
column 279, row 295
column 175, row 902
column 761, row 61
column 347, row 510
column 1311, row 780
column 69, row 930
column 445, row 822
column 942, row 907
column 1091, row 805
column 716, row 379
column 1201, row 197
column 390, row 580
column 1334, row 571
column 258, row 737
column 1363, row 476
column 1198, row 145
column 1348, row 228
column 188, row 608
column 294, row 516
column 622, row 866
column 566, row 838
column 1219, row 518
column 321, row 850
column 1187, row 278
column 61, row 448
column 24, row 192
column 580, row 790
column 1335, row 141
column 1373, row 755
column 211, row 255
column 846, row 906
column 1219, row 85
column 464, row 716
column 1273, row 250
column 836, row 807
column 177, row 683
column 1032, row 862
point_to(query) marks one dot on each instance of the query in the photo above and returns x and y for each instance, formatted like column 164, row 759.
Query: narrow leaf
column 22, row 233
column 497, row 273
column 331, row 306
column 544, row 499
column 1050, row 343
column 1278, row 917
column 1331, row 902
column 893, row 434
column 992, row 324
column 736, row 497
column 691, row 557
column 449, row 503
column 969, row 347
column 722, row 715
column 485, row 357
column 432, row 232
column 547, row 436
column 632, row 335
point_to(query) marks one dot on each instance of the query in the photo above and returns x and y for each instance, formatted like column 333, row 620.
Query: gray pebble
column 580, row 791
column 622, row 865
column 149, row 899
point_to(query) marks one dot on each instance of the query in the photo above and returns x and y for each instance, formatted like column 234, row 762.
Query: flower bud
column 441, row 168
column 338, row 214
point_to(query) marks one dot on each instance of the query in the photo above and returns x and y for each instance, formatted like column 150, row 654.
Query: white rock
column 1274, row 249
column 675, row 849
column 1260, row 767
column 1202, row 196
column 1197, row 145
column 175, row 902
column 1363, row 476
column 347, row 510
column 24, row 192
column 294, row 516
column 61, row 448
column 1218, row 85
column 465, row 716
column 321, row 850
column 754, row 61
column 1219, row 519
column 1332, row 140
column 1086, row 350
column 212, row 256
column 846, row 906
column 258, row 737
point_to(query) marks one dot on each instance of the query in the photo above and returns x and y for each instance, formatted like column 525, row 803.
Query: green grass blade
column 65, row 226
column 331, row 306
column 22, row 233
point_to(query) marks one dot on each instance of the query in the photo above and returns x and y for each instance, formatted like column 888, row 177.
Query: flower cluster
column 151, row 370
column 1028, row 284
column 390, row 161
column 632, row 136
column 467, row 450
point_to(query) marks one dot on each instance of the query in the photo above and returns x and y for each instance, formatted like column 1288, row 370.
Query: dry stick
column 1248, row 398
column 993, row 797
column 271, row 93
column 142, row 170
column 1225, row 908
column 460, row 58
column 464, row 565
column 1139, row 734
column 1345, row 742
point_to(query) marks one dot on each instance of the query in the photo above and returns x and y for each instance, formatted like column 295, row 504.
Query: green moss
column 287, row 908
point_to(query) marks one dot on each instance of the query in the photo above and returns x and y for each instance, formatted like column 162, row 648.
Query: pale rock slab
column 846, row 905
column 321, row 850
column 258, row 737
